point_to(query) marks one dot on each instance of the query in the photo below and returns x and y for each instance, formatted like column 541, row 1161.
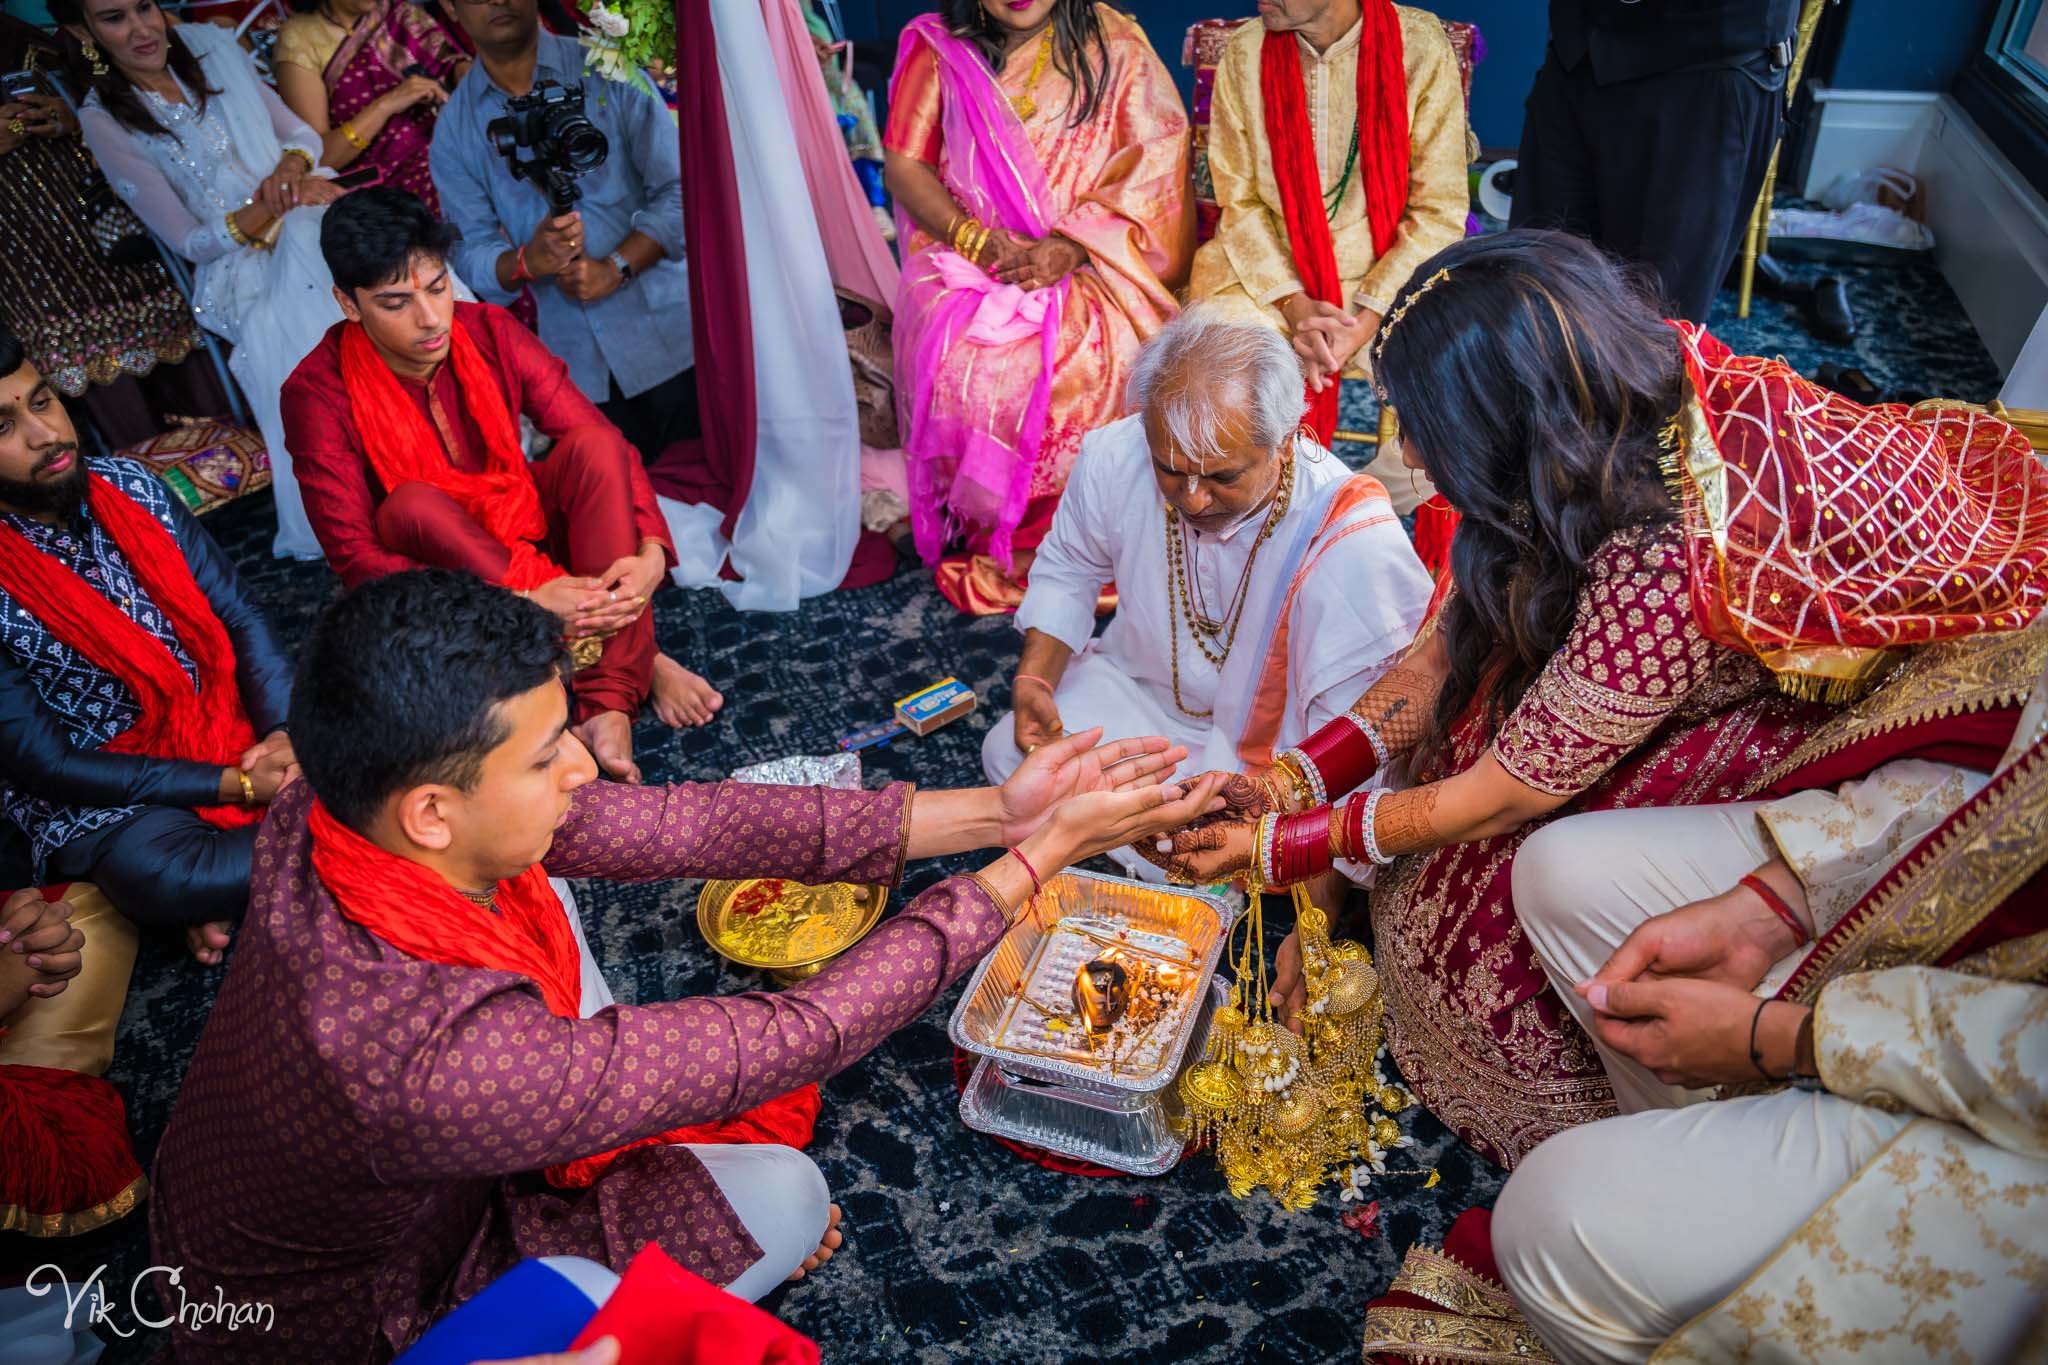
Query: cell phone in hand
column 361, row 178
column 16, row 84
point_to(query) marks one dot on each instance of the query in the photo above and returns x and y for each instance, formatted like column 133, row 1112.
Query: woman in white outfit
column 212, row 160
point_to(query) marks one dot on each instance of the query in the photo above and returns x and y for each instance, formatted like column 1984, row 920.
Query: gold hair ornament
column 1379, row 344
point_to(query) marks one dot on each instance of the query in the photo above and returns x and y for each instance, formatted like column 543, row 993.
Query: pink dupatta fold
column 975, row 472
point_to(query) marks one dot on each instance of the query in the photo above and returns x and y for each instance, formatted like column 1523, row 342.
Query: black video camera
column 566, row 145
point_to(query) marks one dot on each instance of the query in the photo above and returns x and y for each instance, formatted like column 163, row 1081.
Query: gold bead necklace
column 1180, row 603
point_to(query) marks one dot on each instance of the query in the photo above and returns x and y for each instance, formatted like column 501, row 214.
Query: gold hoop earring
column 92, row 57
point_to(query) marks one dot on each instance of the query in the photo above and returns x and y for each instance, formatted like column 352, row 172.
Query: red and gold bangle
column 1300, row 847
column 1800, row 934
column 1340, row 757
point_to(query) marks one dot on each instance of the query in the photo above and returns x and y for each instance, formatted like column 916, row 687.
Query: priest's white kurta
column 1335, row 596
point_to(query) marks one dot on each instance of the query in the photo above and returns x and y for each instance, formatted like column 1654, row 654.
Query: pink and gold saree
column 996, row 386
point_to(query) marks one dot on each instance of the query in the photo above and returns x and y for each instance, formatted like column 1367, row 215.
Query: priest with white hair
column 1261, row 586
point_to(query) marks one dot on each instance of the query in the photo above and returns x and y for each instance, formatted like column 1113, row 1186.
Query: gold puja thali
column 784, row 926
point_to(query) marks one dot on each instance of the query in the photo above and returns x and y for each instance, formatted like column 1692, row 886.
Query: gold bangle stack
column 1287, row 769
column 235, row 233
column 248, row 788
column 352, row 137
column 969, row 237
column 304, row 156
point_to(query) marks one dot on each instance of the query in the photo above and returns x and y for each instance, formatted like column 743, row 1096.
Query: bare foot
column 832, row 1241
column 609, row 737
column 209, row 942
column 680, row 697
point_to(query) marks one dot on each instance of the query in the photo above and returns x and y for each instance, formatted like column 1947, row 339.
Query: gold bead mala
column 1180, row 602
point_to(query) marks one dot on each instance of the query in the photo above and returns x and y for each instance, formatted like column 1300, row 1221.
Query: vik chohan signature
column 90, row 1303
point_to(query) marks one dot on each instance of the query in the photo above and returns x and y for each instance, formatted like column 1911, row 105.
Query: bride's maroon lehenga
column 1818, row 541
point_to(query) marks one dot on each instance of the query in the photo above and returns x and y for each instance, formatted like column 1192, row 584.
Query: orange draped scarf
column 1382, row 131
column 526, row 932
column 404, row 448
column 207, row 725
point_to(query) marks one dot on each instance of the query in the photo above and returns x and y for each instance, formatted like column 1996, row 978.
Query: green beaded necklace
column 1336, row 196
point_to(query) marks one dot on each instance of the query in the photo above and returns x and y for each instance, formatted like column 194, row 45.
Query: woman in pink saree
column 369, row 77
column 1038, row 155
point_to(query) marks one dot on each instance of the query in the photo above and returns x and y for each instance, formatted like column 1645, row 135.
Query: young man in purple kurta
column 359, row 1139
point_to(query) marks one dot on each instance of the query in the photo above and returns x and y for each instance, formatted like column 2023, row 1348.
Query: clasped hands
column 1678, row 995
column 39, row 949
column 605, row 605
column 1030, row 262
column 1325, row 337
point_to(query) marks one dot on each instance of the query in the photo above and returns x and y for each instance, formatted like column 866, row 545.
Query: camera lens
column 584, row 148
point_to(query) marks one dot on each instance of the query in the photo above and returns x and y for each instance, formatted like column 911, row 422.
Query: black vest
column 1630, row 39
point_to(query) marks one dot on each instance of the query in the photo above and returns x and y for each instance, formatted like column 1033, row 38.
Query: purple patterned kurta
column 357, row 1140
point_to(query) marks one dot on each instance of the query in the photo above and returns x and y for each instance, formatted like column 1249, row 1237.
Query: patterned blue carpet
column 958, row 1250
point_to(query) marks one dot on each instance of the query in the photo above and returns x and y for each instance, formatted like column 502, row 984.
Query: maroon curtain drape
column 717, row 468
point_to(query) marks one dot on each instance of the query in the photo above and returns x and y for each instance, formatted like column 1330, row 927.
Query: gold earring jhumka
column 92, row 57
column 1281, row 1110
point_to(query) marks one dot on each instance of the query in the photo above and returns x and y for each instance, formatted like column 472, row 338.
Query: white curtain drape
column 795, row 537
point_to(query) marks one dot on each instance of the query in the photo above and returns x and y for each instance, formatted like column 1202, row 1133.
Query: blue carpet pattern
column 958, row 1250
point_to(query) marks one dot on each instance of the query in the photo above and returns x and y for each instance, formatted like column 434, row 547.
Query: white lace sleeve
column 141, row 182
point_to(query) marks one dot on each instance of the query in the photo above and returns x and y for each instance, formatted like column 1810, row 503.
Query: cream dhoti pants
column 1613, row 1236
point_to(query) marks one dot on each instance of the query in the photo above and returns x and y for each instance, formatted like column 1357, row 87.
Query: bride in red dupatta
column 1673, row 563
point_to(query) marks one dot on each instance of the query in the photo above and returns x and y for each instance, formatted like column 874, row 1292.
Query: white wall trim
column 1990, row 226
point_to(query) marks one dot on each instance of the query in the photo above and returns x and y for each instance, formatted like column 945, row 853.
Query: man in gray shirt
column 609, row 277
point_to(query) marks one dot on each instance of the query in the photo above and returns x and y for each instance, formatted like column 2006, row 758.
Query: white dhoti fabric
column 778, row 1194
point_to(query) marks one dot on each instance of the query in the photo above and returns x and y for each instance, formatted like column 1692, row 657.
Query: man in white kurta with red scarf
column 1258, row 580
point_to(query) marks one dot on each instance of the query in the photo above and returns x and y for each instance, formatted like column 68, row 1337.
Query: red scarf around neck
column 525, row 931
column 1382, row 160
column 209, row 725
column 403, row 446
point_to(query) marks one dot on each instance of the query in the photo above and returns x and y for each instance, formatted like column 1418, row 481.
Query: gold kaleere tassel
column 1282, row 1111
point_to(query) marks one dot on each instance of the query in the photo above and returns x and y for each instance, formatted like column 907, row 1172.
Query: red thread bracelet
column 521, row 272
column 1800, row 933
column 1032, row 872
column 1030, row 677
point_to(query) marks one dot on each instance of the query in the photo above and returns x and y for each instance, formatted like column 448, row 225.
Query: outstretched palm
column 1074, row 766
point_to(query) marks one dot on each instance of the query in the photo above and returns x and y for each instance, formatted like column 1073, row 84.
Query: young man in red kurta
column 403, row 424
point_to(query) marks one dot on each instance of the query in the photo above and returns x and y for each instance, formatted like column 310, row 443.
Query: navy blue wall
column 1908, row 44
column 1885, row 44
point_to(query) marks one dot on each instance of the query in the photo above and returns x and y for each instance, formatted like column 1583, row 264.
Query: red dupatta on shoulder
column 1383, row 151
column 207, row 724
column 1823, row 536
column 524, row 931
column 403, row 447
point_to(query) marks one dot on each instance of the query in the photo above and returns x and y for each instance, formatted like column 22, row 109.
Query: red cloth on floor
column 66, row 1163
column 661, row 1314
column 586, row 488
